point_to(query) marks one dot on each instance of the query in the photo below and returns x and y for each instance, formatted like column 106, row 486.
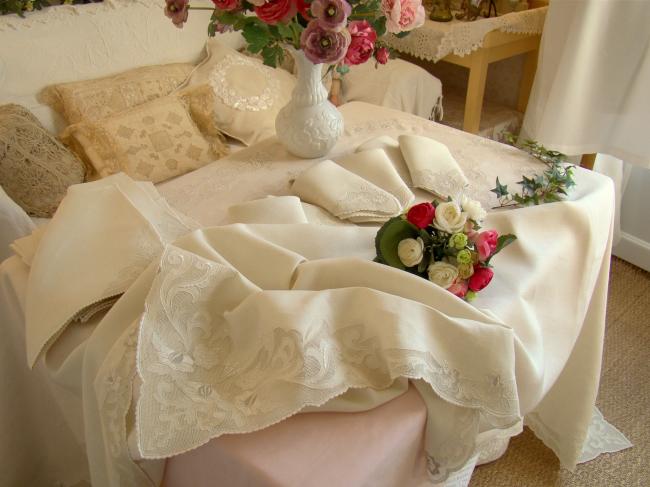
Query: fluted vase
column 309, row 125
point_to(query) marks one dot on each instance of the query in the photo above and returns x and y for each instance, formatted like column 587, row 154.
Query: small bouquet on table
column 442, row 241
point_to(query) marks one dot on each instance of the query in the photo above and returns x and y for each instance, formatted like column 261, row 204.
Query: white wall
column 634, row 245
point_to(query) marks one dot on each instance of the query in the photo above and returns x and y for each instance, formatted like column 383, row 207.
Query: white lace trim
column 56, row 12
column 232, row 96
column 602, row 437
column 434, row 40
column 197, row 384
column 113, row 387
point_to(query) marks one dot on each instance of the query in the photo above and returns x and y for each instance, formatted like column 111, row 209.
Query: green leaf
column 401, row 35
column 389, row 236
column 285, row 31
column 342, row 69
column 502, row 242
column 256, row 36
column 271, row 54
column 500, row 190
column 380, row 26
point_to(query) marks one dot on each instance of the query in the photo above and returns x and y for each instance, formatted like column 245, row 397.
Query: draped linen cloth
column 554, row 350
column 246, row 324
column 590, row 92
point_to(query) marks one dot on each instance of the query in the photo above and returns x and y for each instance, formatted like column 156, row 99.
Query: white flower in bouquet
column 473, row 209
column 443, row 274
column 410, row 251
column 449, row 217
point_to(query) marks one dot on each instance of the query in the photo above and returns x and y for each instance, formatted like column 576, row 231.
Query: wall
column 634, row 245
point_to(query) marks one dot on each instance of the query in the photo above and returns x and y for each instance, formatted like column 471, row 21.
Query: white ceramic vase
column 309, row 125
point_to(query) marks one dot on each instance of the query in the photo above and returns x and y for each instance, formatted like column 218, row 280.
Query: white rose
column 449, row 218
column 473, row 209
column 410, row 251
column 442, row 274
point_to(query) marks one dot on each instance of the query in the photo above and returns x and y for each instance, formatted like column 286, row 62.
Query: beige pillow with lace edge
column 153, row 142
column 35, row 168
column 98, row 98
column 248, row 94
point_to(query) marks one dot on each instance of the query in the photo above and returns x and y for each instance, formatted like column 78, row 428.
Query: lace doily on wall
column 435, row 40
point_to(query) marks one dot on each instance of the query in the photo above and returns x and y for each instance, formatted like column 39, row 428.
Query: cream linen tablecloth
column 547, row 304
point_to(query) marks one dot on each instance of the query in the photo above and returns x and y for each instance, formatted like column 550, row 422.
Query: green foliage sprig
column 550, row 186
column 21, row 6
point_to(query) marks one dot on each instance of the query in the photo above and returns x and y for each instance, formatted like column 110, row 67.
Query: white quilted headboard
column 69, row 43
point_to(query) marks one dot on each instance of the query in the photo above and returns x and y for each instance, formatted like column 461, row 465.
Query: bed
column 53, row 429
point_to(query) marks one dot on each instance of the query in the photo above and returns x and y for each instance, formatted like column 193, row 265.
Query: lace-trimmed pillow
column 152, row 142
column 98, row 98
column 35, row 168
column 248, row 94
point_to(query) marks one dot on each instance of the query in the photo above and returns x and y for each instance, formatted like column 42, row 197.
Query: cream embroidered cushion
column 153, row 142
column 98, row 98
column 35, row 168
column 248, row 94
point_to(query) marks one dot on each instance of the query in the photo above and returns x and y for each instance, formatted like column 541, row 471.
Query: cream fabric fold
column 374, row 165
column 272, row 209
column 391, row 148
column 432, row 166
column 345, row 194
column 260, row 342
column 246, row 324
column 102, row 236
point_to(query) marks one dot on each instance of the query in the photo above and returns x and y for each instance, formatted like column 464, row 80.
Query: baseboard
column 634, row 250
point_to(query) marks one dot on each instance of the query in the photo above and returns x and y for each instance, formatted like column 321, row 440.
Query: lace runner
column 435, row 40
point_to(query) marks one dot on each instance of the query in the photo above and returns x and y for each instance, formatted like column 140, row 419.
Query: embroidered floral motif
column 197, row 384
column 232, row 96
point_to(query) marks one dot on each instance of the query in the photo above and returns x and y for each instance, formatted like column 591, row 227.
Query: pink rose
column 486, row 244
column 227, row 5
column 421, row 215
column 381, row 55
column 362, row 44
column 402, row 15
column 459, row 288
column 480, row 279
column 275, row 11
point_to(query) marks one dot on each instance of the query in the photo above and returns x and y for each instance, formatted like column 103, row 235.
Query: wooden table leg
column 475, row 91
column 527, row 78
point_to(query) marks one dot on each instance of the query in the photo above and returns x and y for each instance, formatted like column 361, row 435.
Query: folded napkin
column 374, row 165
column 272, row 209
column 432, row 166
column 392, row 150
column 114, row 227
column 344, row 194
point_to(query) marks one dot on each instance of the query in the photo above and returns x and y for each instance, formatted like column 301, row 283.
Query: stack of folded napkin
column 372, row 184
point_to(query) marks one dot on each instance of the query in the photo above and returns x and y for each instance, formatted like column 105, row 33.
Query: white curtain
column 592, row 88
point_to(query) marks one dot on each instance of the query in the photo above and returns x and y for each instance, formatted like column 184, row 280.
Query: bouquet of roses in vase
column 338, row 33
column 443, row 242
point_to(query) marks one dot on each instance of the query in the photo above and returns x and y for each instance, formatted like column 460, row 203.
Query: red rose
column 481, row 278
column 362, row 44
column 227, row 5
column 276, row 11
column 421, row 215
column 381, row 55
